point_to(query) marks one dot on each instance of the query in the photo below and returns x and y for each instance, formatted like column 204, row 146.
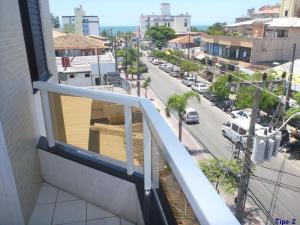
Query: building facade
column 81, row 24
column 290, row 8
column 180, row 23
column 256, row 41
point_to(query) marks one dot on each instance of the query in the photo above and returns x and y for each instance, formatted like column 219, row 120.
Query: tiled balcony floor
column 56, row 207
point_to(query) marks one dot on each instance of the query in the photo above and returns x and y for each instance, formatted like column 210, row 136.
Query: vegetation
column 160, row 35
column 220, row 88
column 293, row 111
column 69, row 28
column 188, row 66
column 179, row 103
column 221, row 173
column 146, row 85
column 195, row 29
column 217, row 29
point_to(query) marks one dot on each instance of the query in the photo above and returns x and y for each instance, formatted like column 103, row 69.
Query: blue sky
column 127, row 12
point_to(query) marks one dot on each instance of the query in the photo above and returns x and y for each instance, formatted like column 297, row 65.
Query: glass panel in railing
column 88, row 124
column 138, row 137
column 179, row 205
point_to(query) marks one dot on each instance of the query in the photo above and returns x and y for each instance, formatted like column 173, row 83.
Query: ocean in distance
column 122, row 29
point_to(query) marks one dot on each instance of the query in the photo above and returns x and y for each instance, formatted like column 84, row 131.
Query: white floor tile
column 105, row 221
column 42, row 215
column 64, row 196
column 94, row 212
column 68, row 212
column 125, row 222
column 47, row 194
column 76, row 223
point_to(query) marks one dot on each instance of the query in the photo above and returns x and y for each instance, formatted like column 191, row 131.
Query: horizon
column 127, row 13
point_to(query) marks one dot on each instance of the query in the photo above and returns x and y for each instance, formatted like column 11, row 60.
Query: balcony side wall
column 19, row 113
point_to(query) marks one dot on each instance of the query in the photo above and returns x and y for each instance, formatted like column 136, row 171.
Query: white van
column 188, row 81
column 237, row 129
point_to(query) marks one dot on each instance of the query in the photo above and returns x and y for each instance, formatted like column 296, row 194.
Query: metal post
column 47, row 118
column 138, row 68
column 128, row 139
column 147, row 156
column 189, row 47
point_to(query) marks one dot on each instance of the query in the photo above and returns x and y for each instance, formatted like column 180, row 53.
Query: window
column 286, row 13
column 185, row 24
column 235, row 127
column 34, row 39
column 281, row 33
column 72, row 76
column 87, row 75
column 242, row 131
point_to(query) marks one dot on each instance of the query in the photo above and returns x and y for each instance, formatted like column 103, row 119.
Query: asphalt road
column 208, row 133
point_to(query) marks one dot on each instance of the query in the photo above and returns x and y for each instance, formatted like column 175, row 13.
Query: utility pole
column 246, row 171
column 126, row 51
column 138, row 67
column 289, row 83
column 189, row 47
column 115, row 54
column 99, row 73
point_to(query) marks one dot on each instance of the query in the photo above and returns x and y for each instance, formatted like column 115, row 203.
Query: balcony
column 230, row 40
column 116, row 152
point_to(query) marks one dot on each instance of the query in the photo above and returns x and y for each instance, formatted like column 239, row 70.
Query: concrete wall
column 276, row 49
column 108, row 192
column 292, row 6
column 18, row 112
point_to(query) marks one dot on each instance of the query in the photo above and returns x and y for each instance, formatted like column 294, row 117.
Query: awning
column 200, row 56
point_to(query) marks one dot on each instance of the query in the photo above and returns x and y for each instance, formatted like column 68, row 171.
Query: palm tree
column 146, row 85
column 179, row 103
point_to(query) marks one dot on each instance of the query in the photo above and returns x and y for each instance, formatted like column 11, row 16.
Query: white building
column 81, row 24
column 180, row 23
column 84, row 70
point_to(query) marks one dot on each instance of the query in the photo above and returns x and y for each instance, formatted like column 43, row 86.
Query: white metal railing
column 204, row 200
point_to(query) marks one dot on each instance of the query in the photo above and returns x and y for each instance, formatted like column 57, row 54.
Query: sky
column 127, row 12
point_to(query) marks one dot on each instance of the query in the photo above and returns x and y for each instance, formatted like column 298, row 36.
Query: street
column 208, row 133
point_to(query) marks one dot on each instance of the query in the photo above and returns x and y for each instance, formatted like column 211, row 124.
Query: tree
column 221, row 173
column 217, row 29
column 160, row 35
column 104, row 33
column 245, row 98
column 220, row 88
column 146, row 85
column 194, row 29
column 187, row 66
column 179, row 103
column 56, row 22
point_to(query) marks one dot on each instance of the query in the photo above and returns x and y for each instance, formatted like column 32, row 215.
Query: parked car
column 236, row 130
column 210, row 96
column 188, row 81
column 224, row 104
column 191, row 116
column 162, row 66
column 175, row 72
column 244, row 113
column 155, row 62
column 200, row 87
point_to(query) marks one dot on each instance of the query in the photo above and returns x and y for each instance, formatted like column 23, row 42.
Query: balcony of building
column 110, row 158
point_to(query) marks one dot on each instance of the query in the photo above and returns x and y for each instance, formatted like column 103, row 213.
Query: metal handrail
column 204, row 200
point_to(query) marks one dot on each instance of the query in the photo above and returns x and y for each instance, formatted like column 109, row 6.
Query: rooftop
column 76, row 41
column 83, row 63
column 183, row 40
column 271, row 22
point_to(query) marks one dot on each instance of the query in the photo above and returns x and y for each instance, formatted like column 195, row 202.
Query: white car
column 199, row 87
column 244, row 113
column 191, row 116
column 188, row 81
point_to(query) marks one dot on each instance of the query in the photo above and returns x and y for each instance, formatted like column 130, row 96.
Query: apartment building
column 75, row 155
column 180, row 23
column 266, row 11
column 81, row 24
column 290, row 8
column 256, row 41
